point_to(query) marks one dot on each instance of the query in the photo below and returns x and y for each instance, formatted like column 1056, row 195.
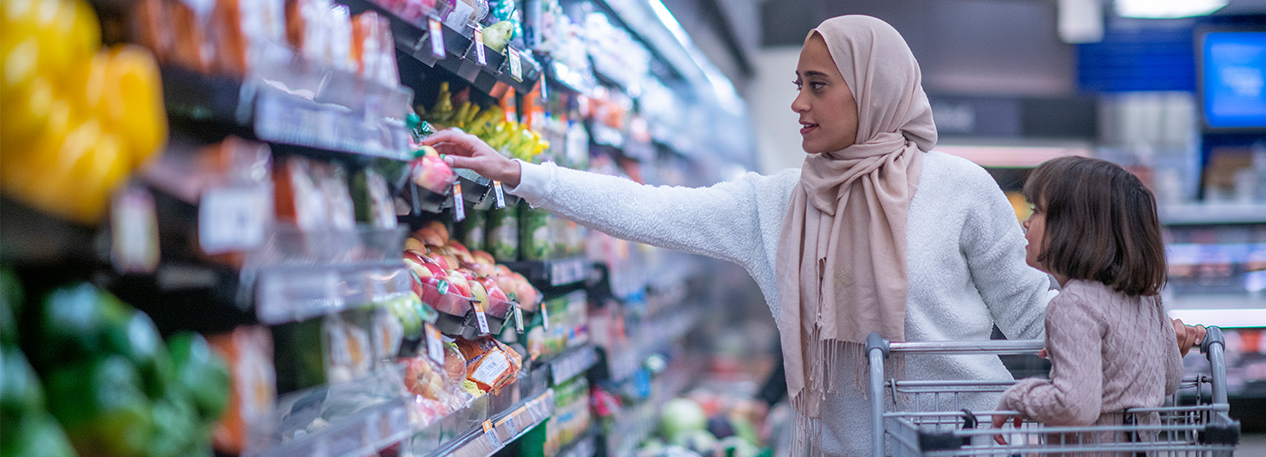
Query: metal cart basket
column 931, row 423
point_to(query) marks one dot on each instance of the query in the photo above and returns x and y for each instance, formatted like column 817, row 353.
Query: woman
column 877, row 233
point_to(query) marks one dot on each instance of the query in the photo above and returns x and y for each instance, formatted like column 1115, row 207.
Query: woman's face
column 1034, row 231
column 828, row 112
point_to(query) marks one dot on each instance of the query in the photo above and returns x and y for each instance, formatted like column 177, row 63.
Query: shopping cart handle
column 874, row 341
column 1212, row 335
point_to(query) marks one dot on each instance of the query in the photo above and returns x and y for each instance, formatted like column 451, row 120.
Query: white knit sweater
column 966, row 259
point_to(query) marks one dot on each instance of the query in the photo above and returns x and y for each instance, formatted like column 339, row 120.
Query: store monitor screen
column 1233, row 70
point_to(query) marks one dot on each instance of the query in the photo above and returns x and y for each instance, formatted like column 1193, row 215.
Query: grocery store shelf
column 572, row 363
column 414, row 41
column 496, row 432
column 651, row 339
column 362, row 434
column 287, row 294
column 1213, row 214
column 554, row 273
column 1013, row 156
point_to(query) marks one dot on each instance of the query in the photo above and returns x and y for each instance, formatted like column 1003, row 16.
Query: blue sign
column 1233, row 72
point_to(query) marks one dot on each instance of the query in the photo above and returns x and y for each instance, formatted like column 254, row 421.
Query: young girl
column 1094, row 228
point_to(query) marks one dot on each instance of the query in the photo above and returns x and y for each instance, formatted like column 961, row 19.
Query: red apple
column 458, row 284
column 440, row 229
column 494, row 291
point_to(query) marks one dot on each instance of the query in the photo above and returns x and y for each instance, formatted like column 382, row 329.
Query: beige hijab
column 841, row 262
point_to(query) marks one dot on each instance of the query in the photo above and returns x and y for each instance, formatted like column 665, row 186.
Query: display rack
column 494, row 433
column 572, row 363
column 554, row 273
column 1213, row 214
column 414, row 41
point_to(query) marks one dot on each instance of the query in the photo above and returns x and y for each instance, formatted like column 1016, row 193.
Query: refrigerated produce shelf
column 496, row 432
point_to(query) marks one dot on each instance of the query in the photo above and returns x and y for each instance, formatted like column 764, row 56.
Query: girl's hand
column 463, row 150
column 1187, row 335
column 998, row 421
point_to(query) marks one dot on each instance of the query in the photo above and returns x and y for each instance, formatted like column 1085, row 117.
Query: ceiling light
column 1166, row 9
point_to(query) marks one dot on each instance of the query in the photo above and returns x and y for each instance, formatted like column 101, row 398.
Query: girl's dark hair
column 1101, row 224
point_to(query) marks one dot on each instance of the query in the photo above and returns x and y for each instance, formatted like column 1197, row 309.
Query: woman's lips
column 806, row 128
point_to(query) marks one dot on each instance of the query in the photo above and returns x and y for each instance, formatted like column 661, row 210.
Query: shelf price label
column 434, row 344
column 134, row 229
column 479, row 46
column 459, row 205
column 518, row 318
column 437, row 36
column 481, row 317
column 232, row 219
column 500, row 194
column 545, row 316
column 490, row 435
column 516, row 67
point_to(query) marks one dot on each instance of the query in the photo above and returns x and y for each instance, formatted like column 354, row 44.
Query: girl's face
column 828, row 112
column 1034, row 231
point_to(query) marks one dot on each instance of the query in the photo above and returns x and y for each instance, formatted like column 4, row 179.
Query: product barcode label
column 479, row 46
column 481, row 318
column 516, row 67
column 437, row 37
column 231, row 219
column 134, row 227
column 518, row 318
column 459, row 204
column 491, row 368
column 500, row 194
column 434, row 344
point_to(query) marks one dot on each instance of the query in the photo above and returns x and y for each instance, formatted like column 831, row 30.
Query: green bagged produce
column 535, row 237
column 141, row 344
column 101, row 406
column 174, row 427
column 36, row 434
column 75, row 322
column 201, row 373
column 503, row 234
column 20, row 390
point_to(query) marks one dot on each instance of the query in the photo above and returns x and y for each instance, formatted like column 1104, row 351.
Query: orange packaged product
column 189, row 46
column 249, row 353
column 151, row 28
column 490, row 364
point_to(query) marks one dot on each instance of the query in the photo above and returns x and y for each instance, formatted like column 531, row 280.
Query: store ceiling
column 1006, row 47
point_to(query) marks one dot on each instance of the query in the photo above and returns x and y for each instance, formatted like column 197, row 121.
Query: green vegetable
column 74, row 322
column 201, row 373
column 36, row 434
column 141, row 344
column 20, row 390
column 175, row 427
column 101, row 405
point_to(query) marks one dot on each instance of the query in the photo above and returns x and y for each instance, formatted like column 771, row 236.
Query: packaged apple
column 348, row 349
column 430, row 172
column 388, row 334
column 455, row 387
column 490, row 364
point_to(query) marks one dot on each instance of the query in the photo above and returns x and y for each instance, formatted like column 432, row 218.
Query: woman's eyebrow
column 811, row 73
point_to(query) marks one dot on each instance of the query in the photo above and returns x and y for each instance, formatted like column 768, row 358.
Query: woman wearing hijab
column 877, row 232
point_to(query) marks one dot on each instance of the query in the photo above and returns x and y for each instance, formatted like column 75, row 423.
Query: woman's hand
column 1187, row 335
column 463, row 150
column 998, row 421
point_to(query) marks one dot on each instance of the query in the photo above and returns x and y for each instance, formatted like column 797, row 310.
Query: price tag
column 481, row 318
column 516, row 67
column 500, row 193
column 434, row 344
column 544, row 90
column 492, row 437
column 134, row 226
column 557, row 273
column 510, row 425
column 459, row 204
column 437, row 37
column 231, row 219
column 545, row 316
column 518, row 318
column 479, row 46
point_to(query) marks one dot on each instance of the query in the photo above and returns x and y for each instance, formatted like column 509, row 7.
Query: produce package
column 425, row 379
column 252, row 391
column 503, row 234
column 77, row 119
column 490, row 364
column 110, row 384
column 372, row 199
column 460, row 392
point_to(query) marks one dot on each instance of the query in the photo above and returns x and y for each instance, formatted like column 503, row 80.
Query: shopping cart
column 924, row 418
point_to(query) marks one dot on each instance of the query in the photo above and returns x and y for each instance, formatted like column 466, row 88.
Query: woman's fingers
column 998, row 421
column 457, row 161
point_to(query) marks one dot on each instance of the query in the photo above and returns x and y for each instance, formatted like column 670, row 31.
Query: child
column 1094, row 228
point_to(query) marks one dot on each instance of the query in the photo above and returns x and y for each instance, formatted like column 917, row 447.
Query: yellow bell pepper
column 133, row 101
